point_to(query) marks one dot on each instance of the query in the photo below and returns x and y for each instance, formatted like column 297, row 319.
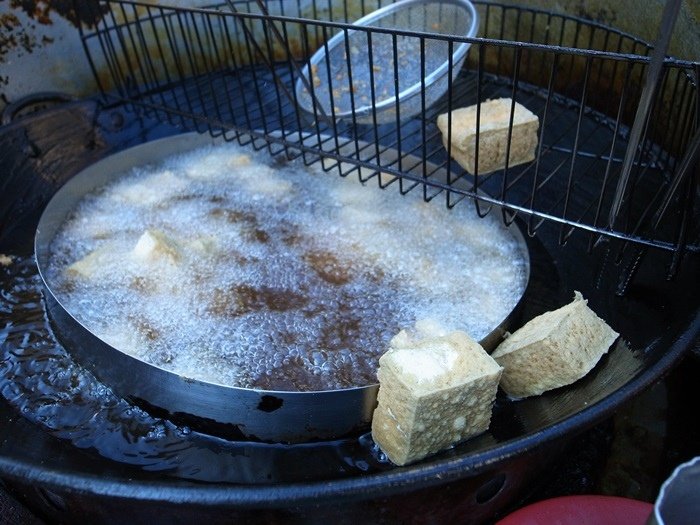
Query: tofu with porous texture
column 494, row 123
column 90, row 265
column 154, row 245
column 553, row 349
column 125, row 337
column 434, row 391
column 426, row 328
column 219, row 166
column 151, row 190
column 205, row 245
column 267, row 183
column 239, row 160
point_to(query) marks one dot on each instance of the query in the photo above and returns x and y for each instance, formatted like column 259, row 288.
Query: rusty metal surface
column 40, row 48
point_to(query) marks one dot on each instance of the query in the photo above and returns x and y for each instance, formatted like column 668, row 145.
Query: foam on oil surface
column 274, row 277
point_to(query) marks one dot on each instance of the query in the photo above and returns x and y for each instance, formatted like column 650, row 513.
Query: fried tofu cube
column 92, row 263
column 154, row 245
column 434, row 391
column 494, row 124
column 553, row 349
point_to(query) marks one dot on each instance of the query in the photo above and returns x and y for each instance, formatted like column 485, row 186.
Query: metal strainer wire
column 385, row 66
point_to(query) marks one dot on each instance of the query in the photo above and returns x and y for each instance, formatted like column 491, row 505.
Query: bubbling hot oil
column 281, row 278
column 40, row 380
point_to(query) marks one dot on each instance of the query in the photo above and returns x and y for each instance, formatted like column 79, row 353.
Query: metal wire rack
column 231, row 69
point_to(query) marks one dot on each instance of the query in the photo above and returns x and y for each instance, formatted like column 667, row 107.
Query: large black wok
column 82, row 469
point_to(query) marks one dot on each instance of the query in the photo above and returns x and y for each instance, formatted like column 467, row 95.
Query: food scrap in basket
column 494, row 124
column 5, row 260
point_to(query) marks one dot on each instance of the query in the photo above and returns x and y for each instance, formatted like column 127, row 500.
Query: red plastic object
column 582, row 510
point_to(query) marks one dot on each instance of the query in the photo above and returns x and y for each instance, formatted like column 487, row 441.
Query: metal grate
column 232, row 71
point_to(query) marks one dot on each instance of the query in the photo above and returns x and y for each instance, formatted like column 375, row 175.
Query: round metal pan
column 277, row 416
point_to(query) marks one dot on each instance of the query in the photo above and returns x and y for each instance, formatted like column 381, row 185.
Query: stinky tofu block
column 553, row 349
column 154, row 245
column 434, row 391
column 494, row 124
column 90, row 265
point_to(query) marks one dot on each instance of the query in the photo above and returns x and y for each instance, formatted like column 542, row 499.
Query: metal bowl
column 377, row 72
column 266, row 415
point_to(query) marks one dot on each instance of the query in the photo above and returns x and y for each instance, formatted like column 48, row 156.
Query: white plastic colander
column 380, row 72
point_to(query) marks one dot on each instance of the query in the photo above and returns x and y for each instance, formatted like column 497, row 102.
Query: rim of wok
column 423, row 474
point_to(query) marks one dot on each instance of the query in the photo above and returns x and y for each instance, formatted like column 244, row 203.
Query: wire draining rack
column 231, row 69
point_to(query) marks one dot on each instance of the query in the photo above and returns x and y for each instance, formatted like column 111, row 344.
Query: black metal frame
column 232, row 72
